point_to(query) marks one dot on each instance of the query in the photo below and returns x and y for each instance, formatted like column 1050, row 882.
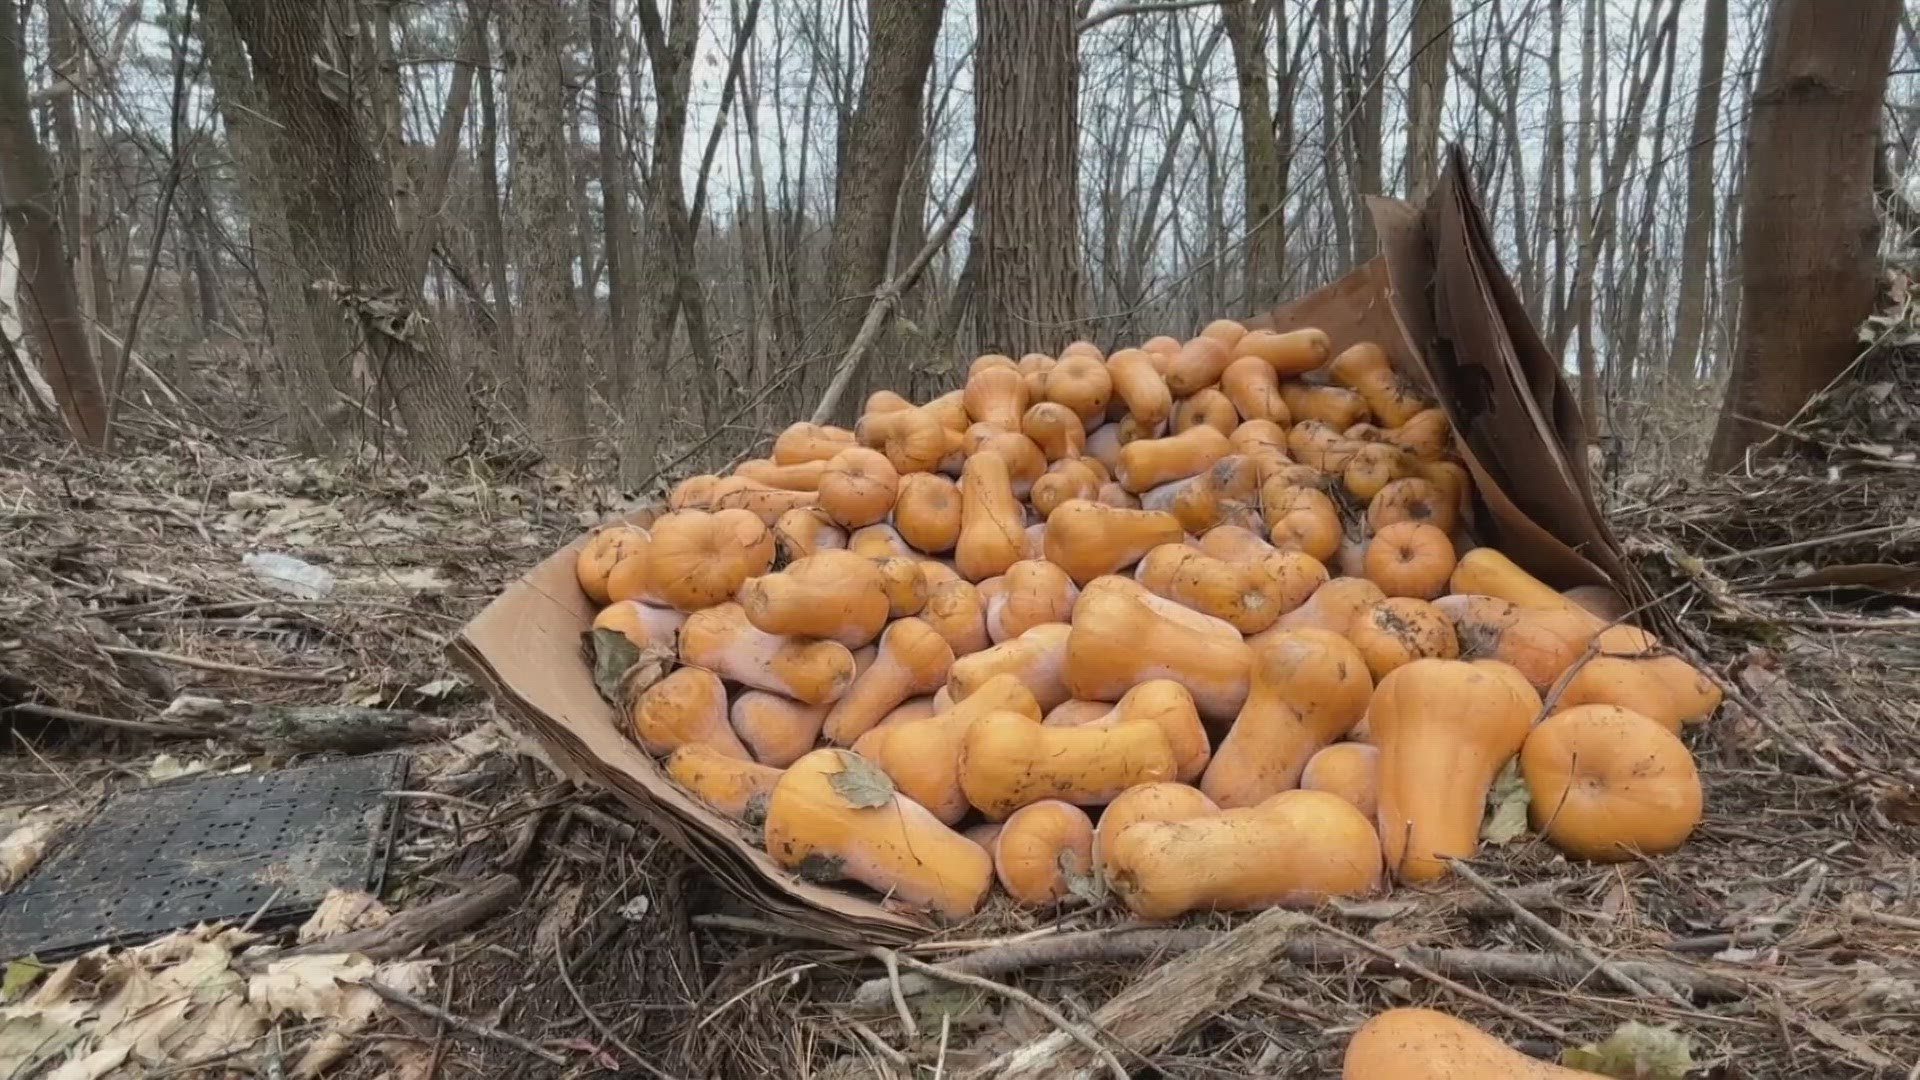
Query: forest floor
column 1782, row 941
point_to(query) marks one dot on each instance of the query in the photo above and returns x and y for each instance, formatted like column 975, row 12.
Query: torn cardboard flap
column 1435, row 308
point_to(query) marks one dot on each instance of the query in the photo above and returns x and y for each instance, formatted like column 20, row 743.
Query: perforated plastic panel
column 196, row 850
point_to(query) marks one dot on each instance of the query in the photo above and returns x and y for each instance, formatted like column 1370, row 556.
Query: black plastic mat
column 219, row 848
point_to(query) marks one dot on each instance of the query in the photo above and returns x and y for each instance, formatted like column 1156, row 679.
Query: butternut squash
column 1103, row 445
column 1008, row 761
column 1148, row 463
column 1031, row 592
column 1112, row 494
column 914, row 440
column 858, row 487
column 1314, row 442
column 1197, row 365
column 1426, row 434
column 1308, row 688
column 1082, row 347
column 992, row 525
column 1300, row 519
column 903, row 584
column 1333, row 606
column 1400, row 630
column 721, row 640
column 1632, row 670
column 1335, row 406
column 804, row 530
column 693, row 493
column 804, row 476
column 922, row 756
column 1133, row 430
column 926, row 512
column 1161, row 345
column 1074, row 712
column 1037, row 658
column 990, row 360
column 1365, row 369
column 1374, row 466
column 602, row 551
column 1455, row 489
column 778, row 730
column 1168, row 705
column 647, row 627
column 1206, row 406
column 1247, row 595
column 1299, row 848
column 984, row 834
column 1350, row 770
column 1088, row 539
column 1486, row 572
column 880, row 541
column 955, row 611
column 1413, row 499
column 1225, row 331
column 1070, row 479
column 688, row 706
column 1288, row 353
column 1608, row 784
column 1043, row 852
column 836, row 595
column 1253, row 388
column 765, row 503
column 913, row 660
column 1146, row 802
column 698, row 559
column 738, row 789
column 1420, row 1044
column 996, row 395
column 1409, row 558
column 1254, row 434
column 1122, row 635
column 885, row 401
column 1025, row 462
column 1081, row 383
column 937, row 572
column 1033, row 368
column 1232, row 543
column 1444, row 729
column 1055, row 429
column 803, row 442
column 1140, row 387
column 834, row 816
column 1539, row 643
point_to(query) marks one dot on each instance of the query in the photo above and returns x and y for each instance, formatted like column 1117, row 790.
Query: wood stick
column 218, row 665
column 1434, row 977
column 461, row 1023
column 1067, row 1028
column 431, row 922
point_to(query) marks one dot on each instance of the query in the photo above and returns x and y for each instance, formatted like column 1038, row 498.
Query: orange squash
column 1253, row 434
column 1374, row 466
column 1148, row 463
column 765, row 503
column 1333, row 606
column 1420, row 1044
column 937, row 572
column 1168, row 705
column 913, row 660
column 1225, row 331
column 1335, row 406
column 1206, row 406
column 1008, row 761
column 956, row 612
column 1031, row 592
column 647, row 627
column 1365, row 369
column 1413, row 499
column 1123, row 635
column 1140, row 387
column 1299, row 848
column 835, row 594
column 1033, row 368
column 1632, row 670
column 1162, row 345
column 738, row 789
column 1309, row 687
column 1350, row 770
column 1607, row 784
column 1147, row 802
column 1368, row 433
column 1288, row 353
column 1399, row 630
column 885, row 401
column 990, row 360
column 1254, row 390
column 922, row 756
column 1081, row 383
column 1198, row 365
column 1444, row 729
column 1313, row 442
column 996, row 395
column 992, row 524
column 914, row 440
column 1088, row 539
column 1409, row 558
column 721, row 640
column 778, row 730
column 1112, row 494
column 1300, row 519
column 1082, row 347
column 1539, row 643
column 1133, row 430
column 1070, row 479
column 803, row 442
column 1103, row 445
column 693, row 493
column 858, row 487
column 1055, row 429
column 688, row 706
column 1426, row 434
column 1074, row 712
column 602, row 551
column 1486, row 572
column 804, row 476
column 903, row 584
column 1234, row 543
column 698, row 559
column 1036, row 658
column 833, row 817
column 1042, row 850
column 804, row 530
column 1248, row 595
column 1025, row 462
column 880, row 541
column 926, row 512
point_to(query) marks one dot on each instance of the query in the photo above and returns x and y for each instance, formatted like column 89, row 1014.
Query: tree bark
column 615, row 210
column 1027, row 214
column 1629, row 340
column 879, row 144
column 342, row 220
column 1264, row 149
column 549, row 340
column 493, row 225
column 432, row 187
column 1697, row 241
column 1426, row 92
column 1808, row 241
column 50, row 305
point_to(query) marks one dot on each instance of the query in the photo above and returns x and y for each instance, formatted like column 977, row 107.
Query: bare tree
column 1266, row 145
column 1426, row 91
column 30, row 198
column 1808, row 242
column 1027, row 214
column 615, row 212
column 1697, row 241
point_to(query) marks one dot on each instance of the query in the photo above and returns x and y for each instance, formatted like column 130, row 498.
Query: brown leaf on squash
column 862, row 783
column 1507, row 801
column 622, row 671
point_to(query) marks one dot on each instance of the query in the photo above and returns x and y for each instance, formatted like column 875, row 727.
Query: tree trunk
column 1697, row 241
column 880, row 142
column 493, row 225
column 30, row 197
column 1027, row 215
column 1426, row 92
column 340, row 213
column 1629, row 340
column 615, row 211
column 542, row 219
column 432, row 187
column 1265, row 159
column 1579, row 314
column 1808, row 242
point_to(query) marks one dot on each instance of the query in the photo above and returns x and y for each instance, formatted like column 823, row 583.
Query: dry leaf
column 342, row 910
column 1635, row 1051
column 862, row 783
column 1507, row 803
column 168, row 767
column 23, row 848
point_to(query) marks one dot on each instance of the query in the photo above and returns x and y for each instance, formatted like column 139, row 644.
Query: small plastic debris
column 293, row 576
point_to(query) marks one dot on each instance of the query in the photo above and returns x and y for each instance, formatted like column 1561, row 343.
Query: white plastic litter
column 289, row 575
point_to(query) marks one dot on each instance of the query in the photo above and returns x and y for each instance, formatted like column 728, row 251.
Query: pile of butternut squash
column 1197, row 623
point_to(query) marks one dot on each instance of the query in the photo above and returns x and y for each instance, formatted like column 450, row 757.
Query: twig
column 461, row 1023
column 727, row 1004
column 1559, row 937
column 560, row 961
column 218, row 665
column 261, row 910
column 1120, row 10
column 1073, row 1030
column 146, row 727
column 874, row 1040
column 886, row 956
column 1781, row 549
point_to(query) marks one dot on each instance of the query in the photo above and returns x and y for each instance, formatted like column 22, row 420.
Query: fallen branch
column 1068, row 1030
column 461, row 1023
column 427, row 924
column 219, row 665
